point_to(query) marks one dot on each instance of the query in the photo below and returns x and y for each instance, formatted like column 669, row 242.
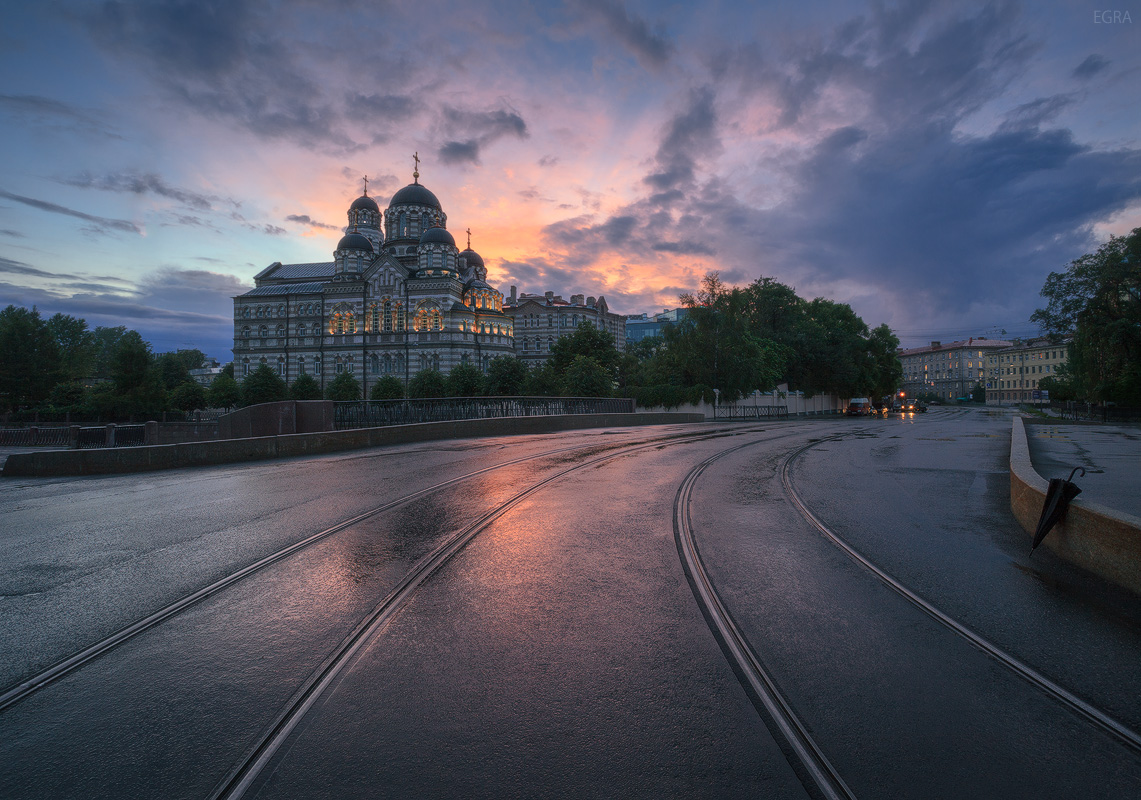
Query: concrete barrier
column 1102, row 540
column 55, row 463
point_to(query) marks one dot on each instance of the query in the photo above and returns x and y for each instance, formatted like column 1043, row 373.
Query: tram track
column 247, row 774
column 1051, row 688
column 28, row 686
column 808, row 760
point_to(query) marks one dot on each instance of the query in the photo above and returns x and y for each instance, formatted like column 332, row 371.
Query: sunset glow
column 901, row 158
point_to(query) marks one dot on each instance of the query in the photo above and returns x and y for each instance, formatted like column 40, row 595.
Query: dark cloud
column 148, row 183
column 460, row 152
column 1093, row 64
column 13, row 234
column 20, row 268
column 1036, row 112
column 548, row 161
column 684, row 248
column 393, row 108
column 100, row 224
column 272, row 230
column 305, row 219
column 690, row 135
column 237, row 60
column 652, row 49
column 469, row 131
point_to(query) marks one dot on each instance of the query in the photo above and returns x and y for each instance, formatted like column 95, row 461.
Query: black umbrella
column 1058, row 498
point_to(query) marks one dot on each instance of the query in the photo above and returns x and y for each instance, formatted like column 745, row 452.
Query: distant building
column 209, row 370
column 1013, row 372
column 539, row 320
column 949, row 371
column 399, row 297
column 641, row 326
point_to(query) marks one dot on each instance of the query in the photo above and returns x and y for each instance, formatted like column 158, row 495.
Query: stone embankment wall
column 228, row 451
column 1102, row 540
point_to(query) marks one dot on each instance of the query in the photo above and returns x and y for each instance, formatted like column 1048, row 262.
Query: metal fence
column 379, row 413
column 749, row 412
column 121, row 436
column 34, row 436
column 1092, row 412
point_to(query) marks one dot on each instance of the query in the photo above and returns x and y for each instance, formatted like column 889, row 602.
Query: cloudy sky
column 927, row 162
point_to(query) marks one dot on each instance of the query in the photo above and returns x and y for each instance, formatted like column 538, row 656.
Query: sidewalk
column 1111, row 455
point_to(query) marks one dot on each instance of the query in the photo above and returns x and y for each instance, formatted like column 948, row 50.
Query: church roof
column 285, row 288
column 414, row 195
column 324, row 270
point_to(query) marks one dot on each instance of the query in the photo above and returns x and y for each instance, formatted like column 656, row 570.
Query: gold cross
column 366, row 185
column 469, row 238
column 416, row 171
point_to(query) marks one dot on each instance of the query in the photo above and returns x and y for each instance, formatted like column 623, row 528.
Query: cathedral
column 398, row 298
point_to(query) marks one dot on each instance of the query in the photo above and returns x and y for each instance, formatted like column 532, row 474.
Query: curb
column 1097, row 538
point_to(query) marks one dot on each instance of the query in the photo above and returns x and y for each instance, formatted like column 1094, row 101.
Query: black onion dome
column 472, row 258
column 364, row 201
column 415, row 195
column 354, row 241
column 477, row 284
column 437, row 236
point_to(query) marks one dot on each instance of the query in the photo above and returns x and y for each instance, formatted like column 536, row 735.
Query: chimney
column 590, row 301
column 513, row 295
column 934, row 344
column 577, row 299
column 550, row 296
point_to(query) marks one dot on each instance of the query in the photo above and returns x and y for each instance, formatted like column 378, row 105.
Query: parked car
column 859, row 407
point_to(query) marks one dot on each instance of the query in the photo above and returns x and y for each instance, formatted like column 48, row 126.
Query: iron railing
column 122, row 436
column 34, row 436
column 379, row 413
column 749, row 412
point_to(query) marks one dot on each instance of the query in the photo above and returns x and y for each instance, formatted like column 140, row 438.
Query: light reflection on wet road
column 561, row 653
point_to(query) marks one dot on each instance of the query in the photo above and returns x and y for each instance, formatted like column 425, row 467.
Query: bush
column 188, row 396
column 224, row 391
column 465, row 380
column 344, row 388
column 506, row 376
column 427, row 383
column 305, row 388
column 263, row 385
column 387, row 388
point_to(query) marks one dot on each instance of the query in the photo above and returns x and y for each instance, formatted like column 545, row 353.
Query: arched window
column 402, row 225
column 436, row 361
column 387, row 307
column 281, row 311
column 374, row 363
column 317, row 366
column 387, row 364
column 435, row 320
column 263, row 332
column 374, row 318
column 421, row 321
column 340, row 367
column 281, row 365
column 401, row 320
column 280, row 331
column 301, row 365
column 246, row 332
column 302, row 330
column 246, row 312
column 245, row 367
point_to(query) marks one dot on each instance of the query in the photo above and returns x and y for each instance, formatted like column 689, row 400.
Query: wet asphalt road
column 561, row 652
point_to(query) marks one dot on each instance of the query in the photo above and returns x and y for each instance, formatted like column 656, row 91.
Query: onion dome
column 354, row 241
column 415, row 195
column 364, row 201
column 437, row 236
column 471, row 258
column 477, row 284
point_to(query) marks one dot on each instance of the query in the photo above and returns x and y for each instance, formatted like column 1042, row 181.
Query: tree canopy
column 1097, row 300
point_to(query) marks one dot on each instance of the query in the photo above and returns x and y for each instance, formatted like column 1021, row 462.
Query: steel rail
column 245, row 775
column 1067, row 698
column 30, row 685
column 762, row 688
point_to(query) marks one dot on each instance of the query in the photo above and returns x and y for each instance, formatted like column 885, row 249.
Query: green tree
column 427, row 383
column 224, row 392
column 191, row 359
column 506, row 376
column 29, row 358
column 263, row 385
column 305, row 388
column 464, row 380
column 228, row 369
column 885, row 369
column 189, row 396
column 69, row 396
column 76, row 345
column 173, row 370
column 585, row 377
column 588, row 341
column 130, row 363
column 389, row 387
column 106, row 343
column 542, row 380
column 1098, row 300
column 343, row 388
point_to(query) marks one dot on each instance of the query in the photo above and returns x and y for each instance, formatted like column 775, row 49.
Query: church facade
column 398, row 298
